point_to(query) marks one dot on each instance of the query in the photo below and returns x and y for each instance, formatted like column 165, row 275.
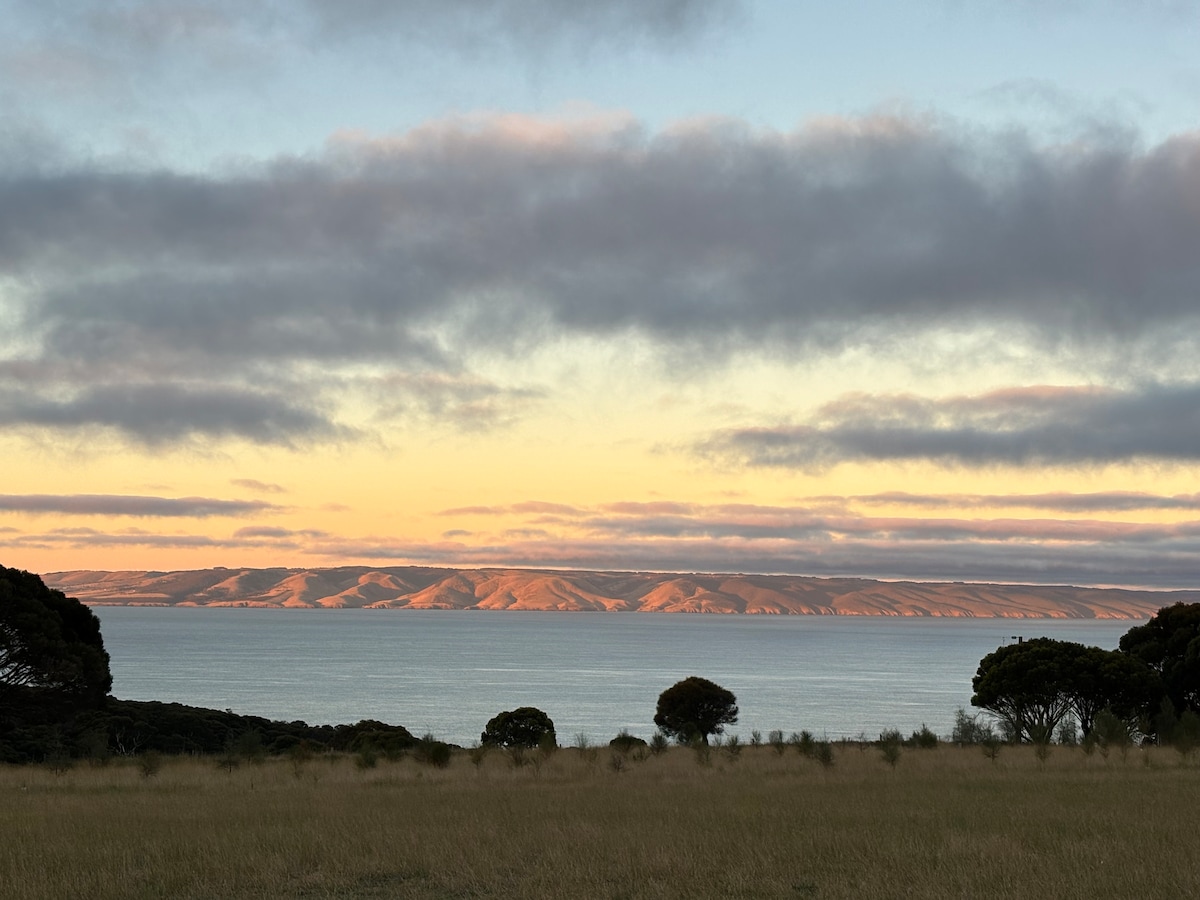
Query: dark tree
column 526, row 726
column 1024, row 685
column 694, row 708
column 1097, row 680
column 1170, row 644
column 52, row 658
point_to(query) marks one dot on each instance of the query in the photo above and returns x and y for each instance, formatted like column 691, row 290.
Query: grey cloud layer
column 673, row 536
column 1100, row 501
column 1035, row 426
column 407, row 252
column 127, row 505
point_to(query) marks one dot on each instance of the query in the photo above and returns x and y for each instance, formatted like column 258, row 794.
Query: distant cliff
column 414, row 587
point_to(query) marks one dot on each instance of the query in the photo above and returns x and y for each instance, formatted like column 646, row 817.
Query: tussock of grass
column 941, row 823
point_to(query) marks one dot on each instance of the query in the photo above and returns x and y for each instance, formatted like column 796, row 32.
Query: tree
column 1024, row 685
column 526, row 726
column 52, row 657
column 1170, row 644
column 1098, row 680
column 694, row 708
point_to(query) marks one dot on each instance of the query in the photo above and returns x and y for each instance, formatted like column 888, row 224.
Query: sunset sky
column 904, row 290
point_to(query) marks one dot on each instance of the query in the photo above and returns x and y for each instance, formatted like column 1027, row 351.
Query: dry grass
column 942, row 823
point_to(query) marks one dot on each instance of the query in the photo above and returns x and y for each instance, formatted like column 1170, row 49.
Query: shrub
column 924, row 739
column 967, row 728
column 733, row 746
column 991, row 745
column 823, row 753
column 366, row 758
column 1111, row 731
column 804, row 743
column 775, row 739
column 525, row 727
column 1068, row 733
column 889, row 746
column 625, row 742
column 433, row 752
column 149, row 764
column 659, row 743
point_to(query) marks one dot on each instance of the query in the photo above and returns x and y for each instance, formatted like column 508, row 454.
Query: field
column 946, row 822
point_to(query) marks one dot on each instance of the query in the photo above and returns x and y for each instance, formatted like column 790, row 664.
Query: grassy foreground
column 942, row 823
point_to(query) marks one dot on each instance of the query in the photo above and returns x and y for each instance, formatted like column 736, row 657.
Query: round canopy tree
column 1025, row 686
column 694, row 708
column 51, row 654
column 526, row 726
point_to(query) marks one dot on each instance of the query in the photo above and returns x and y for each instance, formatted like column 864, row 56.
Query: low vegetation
column 132, row 800
column 943, row 822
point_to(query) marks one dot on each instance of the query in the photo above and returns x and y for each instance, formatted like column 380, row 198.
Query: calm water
column 448, row 672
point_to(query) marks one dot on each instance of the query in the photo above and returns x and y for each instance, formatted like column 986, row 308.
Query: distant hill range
column 413, row 587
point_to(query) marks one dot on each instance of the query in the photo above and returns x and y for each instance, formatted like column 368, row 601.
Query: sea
column 447, row 672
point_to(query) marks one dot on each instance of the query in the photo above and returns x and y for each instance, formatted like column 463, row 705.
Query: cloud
column 738, row 538
column 529, row 24
column 706, row 228
column 394, row 262
column 126, row 505
column 467, row 402
column 263, row 487
column 116, row 44
column 1116, row 501
column 1057, row 426
column 158, row 414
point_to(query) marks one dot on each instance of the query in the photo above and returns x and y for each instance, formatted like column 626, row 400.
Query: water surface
column 448, row 672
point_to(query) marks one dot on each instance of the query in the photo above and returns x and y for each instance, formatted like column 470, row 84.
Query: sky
column 904, row 291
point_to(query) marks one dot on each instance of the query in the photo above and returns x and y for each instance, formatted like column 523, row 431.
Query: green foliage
column 1035, row 686
column 625, row 742
column 524, row 727
column 1068, row 734
column 366, row 758
column 52, row 661
column 1186, row 736
column 659, row 743
column 1096, row 679
column 970, row 729
column 991, row 745
column 733, row 746
column 889, row 744
column 432, row 752
column 1170, row 645
column 149, row 764
column 823, row 753
column 1111, row 732
column 775, row 739
column 695, row 708
column 923, row 739
column 804, row 742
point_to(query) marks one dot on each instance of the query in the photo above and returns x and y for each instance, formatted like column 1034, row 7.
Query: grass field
column 941, row 823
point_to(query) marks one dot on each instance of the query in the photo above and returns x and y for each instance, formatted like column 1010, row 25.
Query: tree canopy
column 52, row 656
column 526, row 726
column 1170, row 644
column 694, row 708
column 1023, row 685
